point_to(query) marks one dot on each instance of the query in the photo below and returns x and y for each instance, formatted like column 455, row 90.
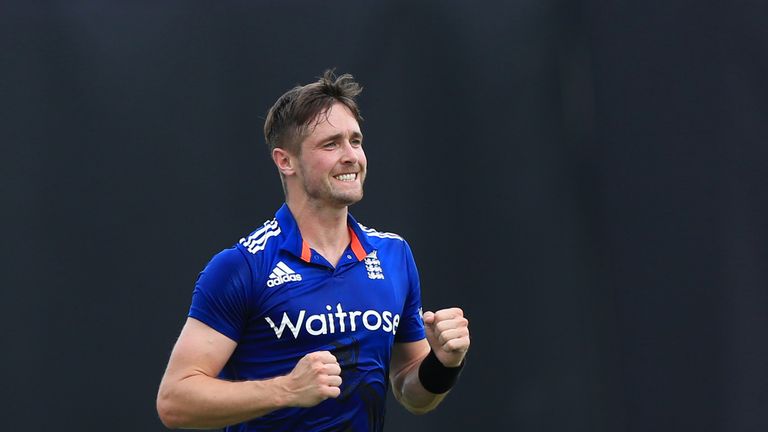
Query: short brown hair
column 288, row 121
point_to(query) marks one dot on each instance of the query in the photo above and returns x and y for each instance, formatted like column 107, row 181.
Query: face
column 331, row 168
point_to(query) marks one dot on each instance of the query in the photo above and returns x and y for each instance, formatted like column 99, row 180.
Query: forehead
column 338, row 119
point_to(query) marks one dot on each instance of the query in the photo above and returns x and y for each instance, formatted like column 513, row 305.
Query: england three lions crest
column 373, row 266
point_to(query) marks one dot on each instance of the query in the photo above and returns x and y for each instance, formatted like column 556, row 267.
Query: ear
column 284, row 161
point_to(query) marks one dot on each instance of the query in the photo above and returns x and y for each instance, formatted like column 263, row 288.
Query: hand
column 448, row 335
column 314, row 379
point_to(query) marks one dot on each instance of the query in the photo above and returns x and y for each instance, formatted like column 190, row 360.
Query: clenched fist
column 448, row 335
column 314, row 379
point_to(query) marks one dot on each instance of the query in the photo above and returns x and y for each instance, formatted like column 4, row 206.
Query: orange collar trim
column 354, row 242
column 306, row 254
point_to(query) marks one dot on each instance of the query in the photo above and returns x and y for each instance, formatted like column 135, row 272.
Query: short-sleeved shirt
column 280, row 300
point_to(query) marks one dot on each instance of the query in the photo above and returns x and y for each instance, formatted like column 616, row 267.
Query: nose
column 349, row 153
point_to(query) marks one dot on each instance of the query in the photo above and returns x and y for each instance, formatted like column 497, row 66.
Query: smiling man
column 297, row 326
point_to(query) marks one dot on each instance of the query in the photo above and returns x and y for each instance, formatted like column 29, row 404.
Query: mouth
column 346, row 177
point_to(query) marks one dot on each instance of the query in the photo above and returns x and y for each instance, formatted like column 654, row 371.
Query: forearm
column 204, row 402
column 423, row 371
column 411, row 393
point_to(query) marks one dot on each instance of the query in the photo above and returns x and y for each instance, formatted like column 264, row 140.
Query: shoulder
column 225, row 264
column 386, row 242
column 374, row 235
column 259, row 239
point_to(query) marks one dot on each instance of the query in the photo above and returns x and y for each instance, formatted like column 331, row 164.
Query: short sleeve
column 220, row 298
column 411, row 327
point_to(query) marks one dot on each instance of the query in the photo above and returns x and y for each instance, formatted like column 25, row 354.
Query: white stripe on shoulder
column 373, row 233
column 268, row 225
column 258, row 240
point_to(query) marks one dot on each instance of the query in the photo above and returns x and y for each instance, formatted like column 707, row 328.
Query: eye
column 356, row 142
column 330, row 144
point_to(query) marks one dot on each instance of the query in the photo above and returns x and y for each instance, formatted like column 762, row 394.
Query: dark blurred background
column 587, row 179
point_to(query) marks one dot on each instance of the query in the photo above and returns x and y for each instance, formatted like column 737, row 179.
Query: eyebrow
column 334, row 137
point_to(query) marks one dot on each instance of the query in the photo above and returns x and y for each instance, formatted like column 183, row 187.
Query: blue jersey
column 279, row 300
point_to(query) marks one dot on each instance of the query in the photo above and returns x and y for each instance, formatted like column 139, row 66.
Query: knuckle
column 461, row 344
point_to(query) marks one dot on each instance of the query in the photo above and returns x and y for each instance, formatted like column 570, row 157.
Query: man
column 296, row 326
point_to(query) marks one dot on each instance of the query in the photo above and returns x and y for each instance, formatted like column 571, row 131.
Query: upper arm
column 223, row 293
column 199, row 350
column 411, row 326
column 405, row 357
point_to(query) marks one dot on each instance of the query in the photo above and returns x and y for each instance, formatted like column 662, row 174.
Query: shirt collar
column 296, row 245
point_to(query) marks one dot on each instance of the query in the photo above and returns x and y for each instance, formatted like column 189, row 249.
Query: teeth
column 346, row 177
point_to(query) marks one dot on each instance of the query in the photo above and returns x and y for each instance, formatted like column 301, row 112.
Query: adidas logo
column 282, row 274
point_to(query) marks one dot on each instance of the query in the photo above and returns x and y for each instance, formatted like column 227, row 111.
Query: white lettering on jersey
column 321, row 324
column 295, row 328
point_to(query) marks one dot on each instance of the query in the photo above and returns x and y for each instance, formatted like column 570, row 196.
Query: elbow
column 414, row 409
column 418, row 410
column 169, row 415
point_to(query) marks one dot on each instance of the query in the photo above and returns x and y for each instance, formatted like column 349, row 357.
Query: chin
column 347, row 200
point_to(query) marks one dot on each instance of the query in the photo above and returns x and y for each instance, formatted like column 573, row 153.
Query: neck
column 323, row 228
